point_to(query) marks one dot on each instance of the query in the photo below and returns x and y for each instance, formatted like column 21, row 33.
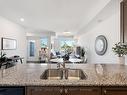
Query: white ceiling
column 52, row 15
column 113, row 7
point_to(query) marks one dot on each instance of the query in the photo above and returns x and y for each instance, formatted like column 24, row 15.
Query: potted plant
column 83, row 52
column 120, row 49
column 2, row 57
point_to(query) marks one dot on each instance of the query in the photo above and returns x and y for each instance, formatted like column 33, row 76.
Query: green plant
column 67, row 49
column 2, row 55
column 83, row 52
column 120, row 49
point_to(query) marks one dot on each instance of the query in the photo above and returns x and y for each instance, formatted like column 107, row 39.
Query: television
column 8, row 44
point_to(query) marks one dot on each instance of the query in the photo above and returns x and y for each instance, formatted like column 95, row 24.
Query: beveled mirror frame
column 105, row 45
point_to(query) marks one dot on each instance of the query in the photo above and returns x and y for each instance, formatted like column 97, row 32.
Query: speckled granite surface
column 98, row 75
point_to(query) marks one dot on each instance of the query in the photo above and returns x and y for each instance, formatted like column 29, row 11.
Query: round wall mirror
column 101, row 45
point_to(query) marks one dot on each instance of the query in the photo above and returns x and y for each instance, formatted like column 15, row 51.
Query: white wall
column 110, row 28
column 12, row 30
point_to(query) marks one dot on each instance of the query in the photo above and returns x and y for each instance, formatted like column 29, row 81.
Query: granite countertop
column 98, row 75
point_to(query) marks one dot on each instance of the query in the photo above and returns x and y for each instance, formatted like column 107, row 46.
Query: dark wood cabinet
column 83, row 91
column 76, row 91
column 44, row 91
column 63, row 91
column 114, row 91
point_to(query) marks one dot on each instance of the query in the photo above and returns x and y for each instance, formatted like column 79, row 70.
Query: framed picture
column 8, row 44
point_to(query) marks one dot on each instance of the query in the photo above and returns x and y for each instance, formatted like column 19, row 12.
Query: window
column 67, row 45
column 67, row 42
column 44, row 42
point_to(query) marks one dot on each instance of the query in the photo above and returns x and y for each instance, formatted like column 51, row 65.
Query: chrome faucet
column 61, row 64
column 64, row 70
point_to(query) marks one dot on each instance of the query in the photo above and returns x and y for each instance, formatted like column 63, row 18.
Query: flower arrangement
column 120, row 49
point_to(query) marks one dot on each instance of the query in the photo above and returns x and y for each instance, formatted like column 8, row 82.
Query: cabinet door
column 114, row 91
column 82, row 91
column 44, row 91
column 123, row 23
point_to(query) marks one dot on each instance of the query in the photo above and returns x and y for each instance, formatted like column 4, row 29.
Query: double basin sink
column 60, row 74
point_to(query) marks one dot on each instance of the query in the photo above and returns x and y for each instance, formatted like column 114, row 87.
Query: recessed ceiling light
column 22, row 19
column 67, row 32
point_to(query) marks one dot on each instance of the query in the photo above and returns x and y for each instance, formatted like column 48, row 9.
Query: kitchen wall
column 108, row 26
column 12, row 30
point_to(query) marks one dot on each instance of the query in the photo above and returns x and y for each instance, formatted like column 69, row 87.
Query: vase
column 122, row 60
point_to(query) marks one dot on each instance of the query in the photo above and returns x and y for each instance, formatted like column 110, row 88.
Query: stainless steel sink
column 59, row 74
column 76, row 74
column 52, row 74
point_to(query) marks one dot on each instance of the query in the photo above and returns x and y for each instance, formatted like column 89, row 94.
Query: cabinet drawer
column 83, row 91
column 44, row 90
column 114, row 91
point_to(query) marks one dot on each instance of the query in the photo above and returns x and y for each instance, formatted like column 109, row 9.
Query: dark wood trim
column 107, row 90
column 122, row 22
column 124, row 1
